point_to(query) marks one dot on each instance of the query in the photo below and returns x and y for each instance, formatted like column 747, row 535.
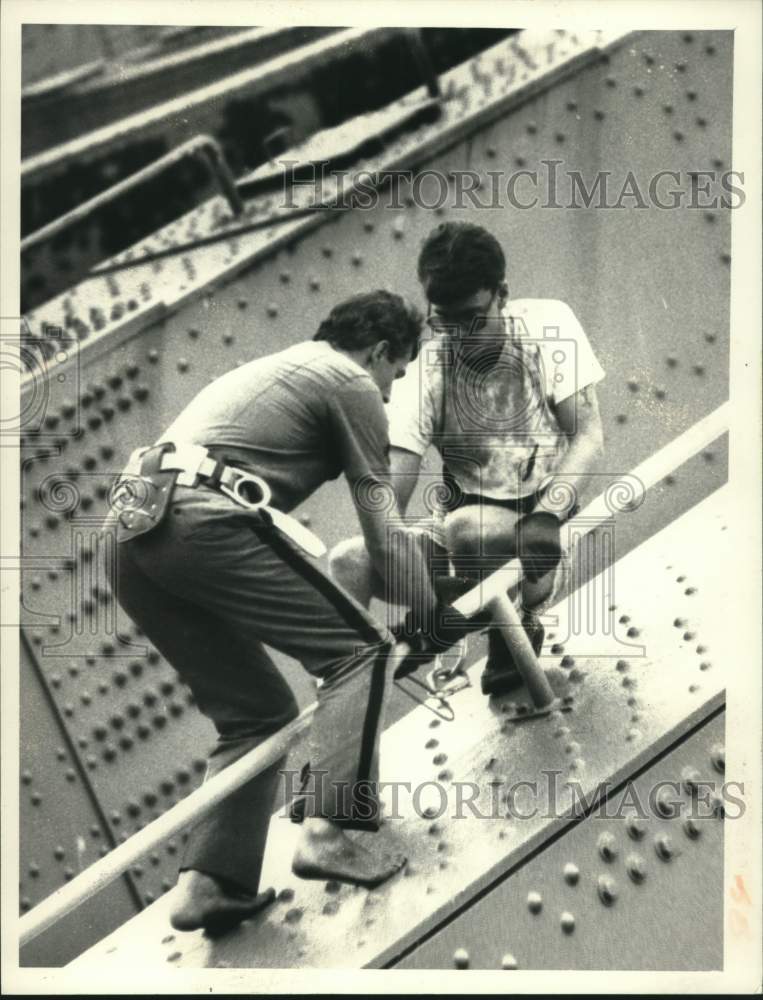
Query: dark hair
column 457, row 260
column 363, row 320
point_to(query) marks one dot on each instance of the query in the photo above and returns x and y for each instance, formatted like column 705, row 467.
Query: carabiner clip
column 444, row 712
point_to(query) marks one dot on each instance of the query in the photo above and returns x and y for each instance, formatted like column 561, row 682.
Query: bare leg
column 326, row 852
column 350, row 565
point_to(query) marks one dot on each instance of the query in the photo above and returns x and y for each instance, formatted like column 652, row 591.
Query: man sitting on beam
column 505, row 391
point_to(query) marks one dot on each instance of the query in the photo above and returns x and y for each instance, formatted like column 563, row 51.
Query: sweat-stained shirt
column 296, row 418
column 493, row 422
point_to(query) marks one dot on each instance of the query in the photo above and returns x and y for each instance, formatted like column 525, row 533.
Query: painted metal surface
column 626, row 708
column 627, row 888
column 63, row 830
column 151, row 339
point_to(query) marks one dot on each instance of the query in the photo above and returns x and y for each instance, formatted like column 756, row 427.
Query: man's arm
column 579, row 418
column 360, row 435
column 394, row 551
column 404, row 471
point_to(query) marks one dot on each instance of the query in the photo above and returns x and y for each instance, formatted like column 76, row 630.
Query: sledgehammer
column 539, row 548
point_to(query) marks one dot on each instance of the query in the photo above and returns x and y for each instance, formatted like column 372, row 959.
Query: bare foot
column 326, row 852
column 200, row 900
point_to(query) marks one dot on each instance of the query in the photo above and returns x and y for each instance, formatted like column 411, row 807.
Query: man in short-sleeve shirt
column 211, row 585
column 504, row 389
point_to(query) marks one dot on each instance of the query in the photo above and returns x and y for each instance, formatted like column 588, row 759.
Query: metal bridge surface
column 116, row 736
column 627, row 707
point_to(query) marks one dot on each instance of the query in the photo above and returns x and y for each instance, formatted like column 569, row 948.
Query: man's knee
column 481, row 531
column 348, row 558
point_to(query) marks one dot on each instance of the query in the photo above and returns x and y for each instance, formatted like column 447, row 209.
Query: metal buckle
column 244, row 478
column 188, row 460
column 448, row 681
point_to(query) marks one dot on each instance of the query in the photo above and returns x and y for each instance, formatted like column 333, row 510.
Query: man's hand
column 431, row 634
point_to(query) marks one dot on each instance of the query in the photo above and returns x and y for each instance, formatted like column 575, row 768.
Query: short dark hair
column 457, row 260
column 363, row 320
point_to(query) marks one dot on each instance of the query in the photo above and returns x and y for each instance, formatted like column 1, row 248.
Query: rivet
column 59, row 853
column 635, row 827
column 690, row 778
column 718, row 757
column 717, row 806
column 534, row 902
column 607, row 846
column 622, row 666
column 567, row 922
column 607, row 889
column 663, row 845
column 508, row 961
column 621, row 418
column 690, row 828
column 357, row 259
column 272, row 310
column 664, row 804
column 439, row 758
column 571, row 873
column 461, row 958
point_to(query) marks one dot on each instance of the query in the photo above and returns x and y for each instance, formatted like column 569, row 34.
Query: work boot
column 500, row 674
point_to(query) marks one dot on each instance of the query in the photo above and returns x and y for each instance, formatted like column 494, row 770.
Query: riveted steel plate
column 621, row 718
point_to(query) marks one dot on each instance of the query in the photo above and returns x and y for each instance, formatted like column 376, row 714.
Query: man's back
column 297, row 418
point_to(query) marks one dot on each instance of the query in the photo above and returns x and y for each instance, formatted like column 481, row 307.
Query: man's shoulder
column 317, row 361
column 543, row 311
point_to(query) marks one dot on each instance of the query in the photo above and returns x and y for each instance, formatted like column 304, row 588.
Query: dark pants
column 208, row 587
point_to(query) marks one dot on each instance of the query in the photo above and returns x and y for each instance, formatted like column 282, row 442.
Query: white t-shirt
column 494, row 423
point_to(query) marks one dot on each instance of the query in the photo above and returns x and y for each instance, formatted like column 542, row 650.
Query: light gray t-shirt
column 297, row 418
column 495, row 425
